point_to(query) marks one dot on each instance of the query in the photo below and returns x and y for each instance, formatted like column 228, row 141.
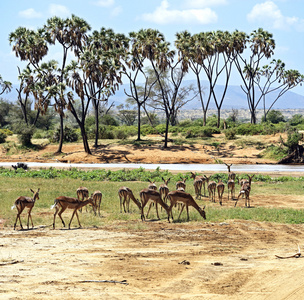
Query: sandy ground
column 158, row 260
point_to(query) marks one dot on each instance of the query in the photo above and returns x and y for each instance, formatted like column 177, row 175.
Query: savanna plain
column 230, row 255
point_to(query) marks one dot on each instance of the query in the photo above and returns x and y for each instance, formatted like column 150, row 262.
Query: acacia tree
column 275, row 74
column 262, row 46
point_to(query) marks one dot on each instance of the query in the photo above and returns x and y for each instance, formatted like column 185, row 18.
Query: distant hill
column 235, row 98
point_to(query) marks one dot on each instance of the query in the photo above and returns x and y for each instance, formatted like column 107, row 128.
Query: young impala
column 21, row 203
column 97, row 197
column 164, row 190
column 245, row 190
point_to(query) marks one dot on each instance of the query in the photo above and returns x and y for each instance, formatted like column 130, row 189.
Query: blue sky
column 283, row 18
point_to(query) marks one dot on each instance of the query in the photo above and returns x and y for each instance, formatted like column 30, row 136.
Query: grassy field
column 12, row 187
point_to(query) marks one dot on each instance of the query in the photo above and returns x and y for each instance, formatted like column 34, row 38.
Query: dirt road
column 158, row 260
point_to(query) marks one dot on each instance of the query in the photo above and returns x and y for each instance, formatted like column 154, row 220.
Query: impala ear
column 204, row 207
column 32, row 191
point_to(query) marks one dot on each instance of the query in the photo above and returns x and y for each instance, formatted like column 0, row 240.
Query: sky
column 283, row 18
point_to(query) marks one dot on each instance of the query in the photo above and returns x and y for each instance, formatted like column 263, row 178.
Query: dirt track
column 160, row 260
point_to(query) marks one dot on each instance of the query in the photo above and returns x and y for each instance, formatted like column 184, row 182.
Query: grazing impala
column 164, row 190
column 148, row 194
column 187, row 200
column 62, row 203
column 97, row 197
column 125, row 194
column 245, row 190
column 82, row 193
column 21, row 203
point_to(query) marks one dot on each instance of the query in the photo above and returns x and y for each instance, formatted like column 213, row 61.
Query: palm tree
column 262, row 46
column 71, row 34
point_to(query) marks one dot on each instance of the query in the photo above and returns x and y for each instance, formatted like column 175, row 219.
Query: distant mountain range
column 235, row 98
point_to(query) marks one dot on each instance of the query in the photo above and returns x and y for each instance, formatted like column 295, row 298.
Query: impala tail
column 55, row 202
column 13, row 206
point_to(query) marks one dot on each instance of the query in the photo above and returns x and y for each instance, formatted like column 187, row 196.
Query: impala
column 164, row 190
column 62, row 203
column 197, row 183
column 82, row 193
column 187, row 200
column 245, row 190
column 147, row 195
column 152, row 185
column 21, row 203
column 231, row 175
column 211, row 189
column 181, row 184
column 125, row 194
column 97, row 197
column 231, row 188
column 220, row 191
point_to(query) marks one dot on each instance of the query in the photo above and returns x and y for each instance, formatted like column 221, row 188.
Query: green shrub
column 195, row 132
column 230, row 133
column 69, row 135
column 2, row 137
column 6, row 131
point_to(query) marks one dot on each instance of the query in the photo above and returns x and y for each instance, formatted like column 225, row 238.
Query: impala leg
column 128, row 204
column 78, row 219
column 29, row 217
column 142, row 210
column 187, row 208
column 75, row 211
column 56, row 211
column 149, row 209
column 181, row 211
column 156, row 207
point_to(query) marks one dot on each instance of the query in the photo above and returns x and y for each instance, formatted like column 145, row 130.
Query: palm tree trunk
column 138, row 122
column 61, row 134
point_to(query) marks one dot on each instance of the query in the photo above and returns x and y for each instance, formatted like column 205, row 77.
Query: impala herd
column 163, row 196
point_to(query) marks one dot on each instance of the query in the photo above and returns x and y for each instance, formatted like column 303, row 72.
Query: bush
column 6, row 131
column 194, row 132
column 2, row 137
column 249, row 129
column 69, row 135
column 230, row 133
column 25, row 134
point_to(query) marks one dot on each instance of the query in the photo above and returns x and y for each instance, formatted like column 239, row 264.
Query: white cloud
column 104, row 3
column 269, row 13
column 116, row 11
column 30, row 14
column 163, row 15
column 204, row 3
column 59, row 10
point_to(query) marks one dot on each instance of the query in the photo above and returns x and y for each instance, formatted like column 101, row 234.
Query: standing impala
column 245, row 190
column 187, row 200
column 211, row 189
column 125, row 194
column 220, row 191
column 164, row 190
column 62, row 203
column 146, row 195
column 231, row 175
column 97, row 197
column 197, row 183
column 21, row 203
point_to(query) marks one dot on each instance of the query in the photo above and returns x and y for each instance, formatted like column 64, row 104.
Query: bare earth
column 192, row 260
